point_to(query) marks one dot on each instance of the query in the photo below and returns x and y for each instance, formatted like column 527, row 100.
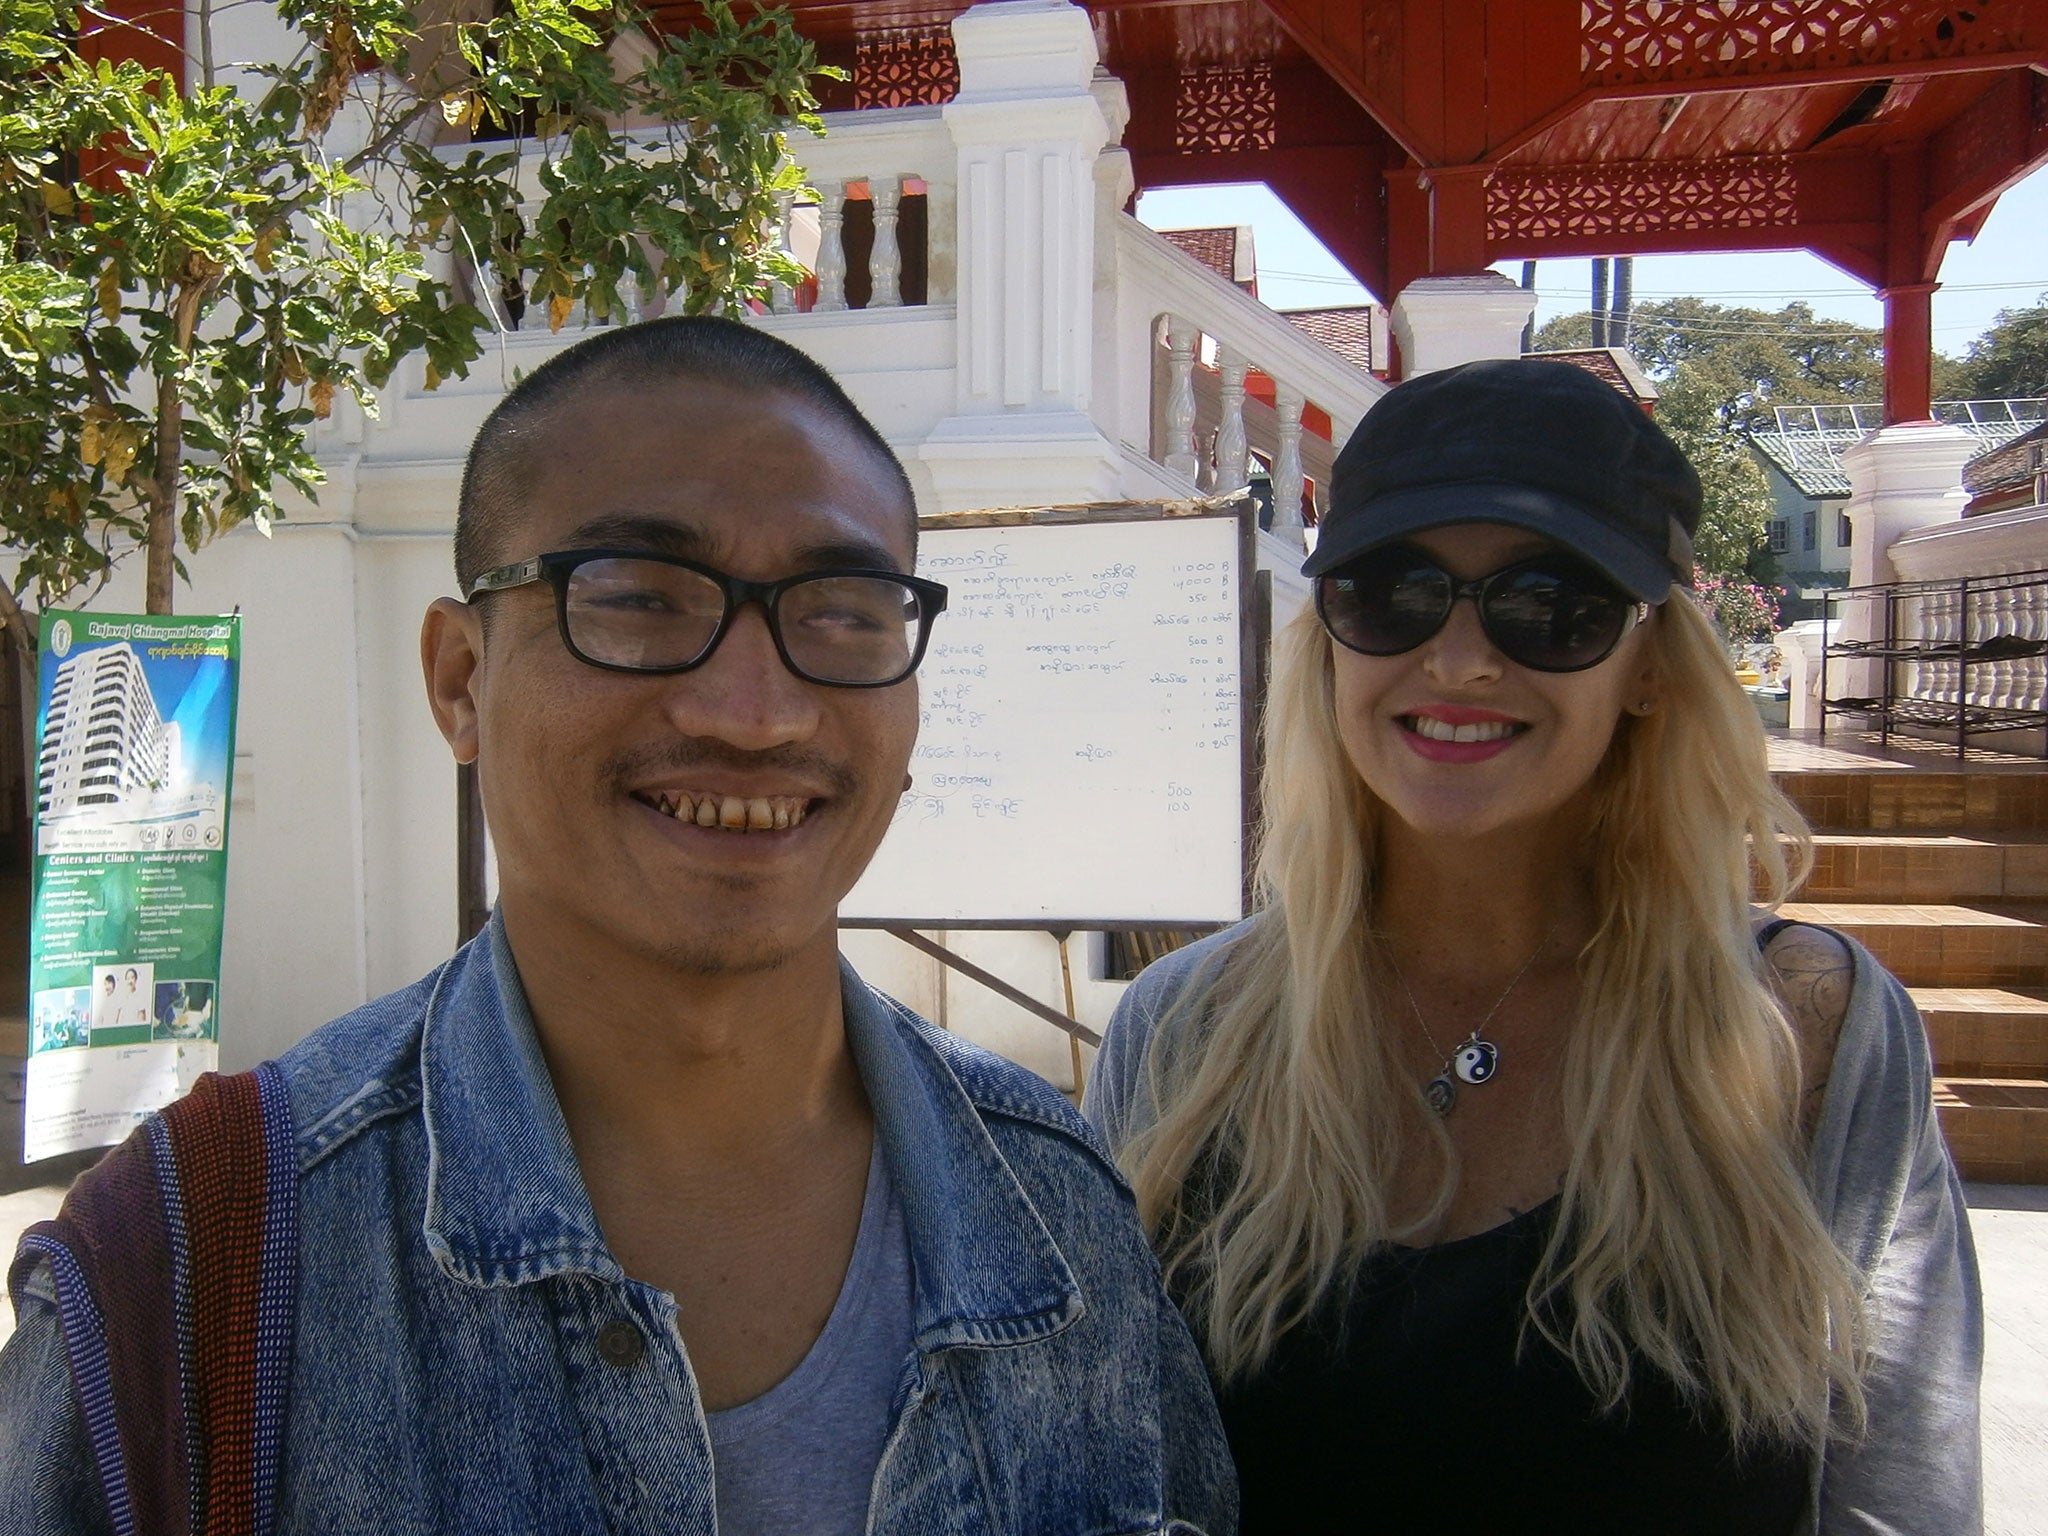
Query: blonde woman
column 1516, row 1173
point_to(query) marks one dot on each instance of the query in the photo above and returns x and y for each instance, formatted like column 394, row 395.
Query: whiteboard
column 1080, row 753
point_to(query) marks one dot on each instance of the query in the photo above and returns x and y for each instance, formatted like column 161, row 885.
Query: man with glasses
column 644, row 1213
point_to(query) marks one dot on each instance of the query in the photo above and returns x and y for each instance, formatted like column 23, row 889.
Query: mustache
column 706, row 752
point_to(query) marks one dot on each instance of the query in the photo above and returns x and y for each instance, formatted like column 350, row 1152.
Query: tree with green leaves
column 195, row 269
column 1720, row 373
column 2009, row 361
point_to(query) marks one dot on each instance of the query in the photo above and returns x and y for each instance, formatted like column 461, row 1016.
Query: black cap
column 1534, row 444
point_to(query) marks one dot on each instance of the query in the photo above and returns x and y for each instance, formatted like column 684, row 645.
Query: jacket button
column 621, row 1344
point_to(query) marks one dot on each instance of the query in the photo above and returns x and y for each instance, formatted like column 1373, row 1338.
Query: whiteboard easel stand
column 1077, row 1032
column 1255, row 628
column 1067, row 982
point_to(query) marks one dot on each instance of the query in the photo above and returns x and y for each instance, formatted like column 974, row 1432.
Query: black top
column 1402, row 1407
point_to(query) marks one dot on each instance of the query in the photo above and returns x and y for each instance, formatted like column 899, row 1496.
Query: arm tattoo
column 1811, row 974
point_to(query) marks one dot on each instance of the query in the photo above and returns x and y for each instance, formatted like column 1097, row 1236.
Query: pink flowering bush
column 1743, row 611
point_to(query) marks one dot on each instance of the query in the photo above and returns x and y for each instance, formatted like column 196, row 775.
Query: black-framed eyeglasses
column 627, row 610
column 1549, row 613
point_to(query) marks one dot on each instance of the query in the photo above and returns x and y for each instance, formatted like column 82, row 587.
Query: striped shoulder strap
column 184, row 1402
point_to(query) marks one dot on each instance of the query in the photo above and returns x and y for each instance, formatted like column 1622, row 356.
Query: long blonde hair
column 1685, row 1229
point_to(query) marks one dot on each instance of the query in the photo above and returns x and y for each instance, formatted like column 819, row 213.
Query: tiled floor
column 1987, row 1031
column 1996, row 1127
column 1808, row 751
column 1943, row 945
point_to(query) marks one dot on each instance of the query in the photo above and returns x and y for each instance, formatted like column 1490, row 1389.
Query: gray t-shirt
column 802, row 1455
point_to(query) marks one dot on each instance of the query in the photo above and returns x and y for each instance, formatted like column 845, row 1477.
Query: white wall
column 342, row 856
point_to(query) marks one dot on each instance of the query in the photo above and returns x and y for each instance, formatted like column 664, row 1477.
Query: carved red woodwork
column 1225, row 109
column 1627, row 42
column 905, row 67
column 1529, row 207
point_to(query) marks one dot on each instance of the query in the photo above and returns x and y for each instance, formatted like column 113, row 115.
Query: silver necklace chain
column 1477, row 1059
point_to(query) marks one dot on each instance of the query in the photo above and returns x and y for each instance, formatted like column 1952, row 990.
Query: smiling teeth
column 1443, row 730
column 735, row 813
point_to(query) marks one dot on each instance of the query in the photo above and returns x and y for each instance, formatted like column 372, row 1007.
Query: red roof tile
column 1217, row 250
column 1345, row 330
column 1611, row 365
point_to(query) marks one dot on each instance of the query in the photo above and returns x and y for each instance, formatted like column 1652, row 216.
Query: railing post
column 1232, row 448
column 1922, row 628
column 1887, row 665
column 831, row 245
column 1180, row 397
column 1962, row 667
column 1287, row 472
column 885, row 262
column 2005, row 626
column 2032, row 682
column 1826, row 604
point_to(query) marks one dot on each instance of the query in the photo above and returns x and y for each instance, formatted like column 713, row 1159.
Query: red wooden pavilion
column 1435, row 137
column 1423, row 138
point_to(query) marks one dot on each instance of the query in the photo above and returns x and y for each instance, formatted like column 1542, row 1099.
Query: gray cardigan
column 1883, row 1184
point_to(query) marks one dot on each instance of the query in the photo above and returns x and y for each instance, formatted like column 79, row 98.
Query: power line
column 1341, row 281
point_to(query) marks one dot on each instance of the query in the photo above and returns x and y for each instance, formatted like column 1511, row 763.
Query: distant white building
column 103, row 742
column 1810, row 529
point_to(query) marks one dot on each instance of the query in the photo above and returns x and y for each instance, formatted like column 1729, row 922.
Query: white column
column 1028, row 128
column 1232, row 450
column 885, row 262
column 1441, row 322
column 831, row 245
column 1901, row 479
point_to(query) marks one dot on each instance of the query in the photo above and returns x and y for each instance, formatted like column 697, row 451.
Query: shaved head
column 701, row 348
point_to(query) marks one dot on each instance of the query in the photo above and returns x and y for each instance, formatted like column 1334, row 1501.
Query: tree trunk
column 1599, row 307
column 163, row 499
column 15, row 623
column 170, row 447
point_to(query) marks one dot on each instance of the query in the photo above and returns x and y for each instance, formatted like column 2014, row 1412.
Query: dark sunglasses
column 1549, row 613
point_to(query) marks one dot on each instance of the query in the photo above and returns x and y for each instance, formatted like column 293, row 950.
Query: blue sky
column 2006, row 267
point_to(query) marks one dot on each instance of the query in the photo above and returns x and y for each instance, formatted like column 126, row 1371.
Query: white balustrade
column 897, row 152
column 1288, row 478
column 1998, row 626
column 1233, row 448
column 831, row 266
column 1947, row 629
column 781, row 297
column 1180, row 397
column 2032, row 681
column 885, row 261
column 1224, row 380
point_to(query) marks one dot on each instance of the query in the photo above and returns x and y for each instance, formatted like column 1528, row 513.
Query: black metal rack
column 1934, row 643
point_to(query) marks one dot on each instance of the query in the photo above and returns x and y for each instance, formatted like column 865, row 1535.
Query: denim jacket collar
column 506, row 1203
column 505, row 1199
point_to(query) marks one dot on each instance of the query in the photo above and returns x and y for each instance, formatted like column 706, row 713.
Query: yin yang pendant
column 1477, row 1060
column 1441, row 1092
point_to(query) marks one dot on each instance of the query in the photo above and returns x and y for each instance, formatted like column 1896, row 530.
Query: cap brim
column 1563, row 521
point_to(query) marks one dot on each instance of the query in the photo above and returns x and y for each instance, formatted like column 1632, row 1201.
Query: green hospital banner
column 135, row 745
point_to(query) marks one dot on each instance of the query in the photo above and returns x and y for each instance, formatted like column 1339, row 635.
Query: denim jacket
column 471, row 1359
